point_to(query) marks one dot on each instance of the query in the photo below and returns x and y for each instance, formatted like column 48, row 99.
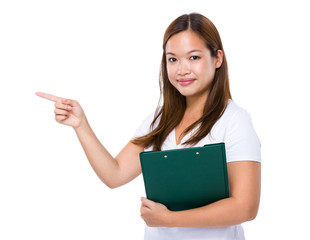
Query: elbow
column 111, row 181
column 251, row 216
column 246, row 211
column 112, row 185
column 250, row 213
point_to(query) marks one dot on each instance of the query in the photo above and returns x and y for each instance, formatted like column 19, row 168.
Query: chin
column 187, row 93
column 196, row 94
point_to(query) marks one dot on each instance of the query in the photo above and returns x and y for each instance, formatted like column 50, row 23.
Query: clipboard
column 186, row 178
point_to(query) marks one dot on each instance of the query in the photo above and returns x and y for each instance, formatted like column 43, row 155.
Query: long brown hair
column 174, row 104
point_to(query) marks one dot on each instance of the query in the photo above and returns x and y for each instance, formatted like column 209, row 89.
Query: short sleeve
column 144, row 127
column 241, row 140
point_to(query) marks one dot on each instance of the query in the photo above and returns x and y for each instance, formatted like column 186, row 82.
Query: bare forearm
column 69, row 112
column 223, row 213
column 99, row 158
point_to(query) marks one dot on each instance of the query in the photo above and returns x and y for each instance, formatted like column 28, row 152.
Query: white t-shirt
column 235, row 129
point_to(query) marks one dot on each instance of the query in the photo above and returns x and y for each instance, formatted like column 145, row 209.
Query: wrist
column 82, row 126
column 170, row 219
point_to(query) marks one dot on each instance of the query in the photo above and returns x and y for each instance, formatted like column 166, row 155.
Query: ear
column 219, row 58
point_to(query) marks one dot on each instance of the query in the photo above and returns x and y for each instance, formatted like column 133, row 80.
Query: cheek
column 171, row 73
column 204, row 70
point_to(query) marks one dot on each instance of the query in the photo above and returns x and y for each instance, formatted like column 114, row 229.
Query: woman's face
column 190, row 66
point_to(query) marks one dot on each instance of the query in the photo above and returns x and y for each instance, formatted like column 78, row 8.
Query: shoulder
column 233, row 115
column 149, row 118
column 233, row 110
column 241, row 139
column 237, row 116
column 145, row 125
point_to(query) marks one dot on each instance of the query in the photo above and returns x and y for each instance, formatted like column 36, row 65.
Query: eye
column 194, row 57
column 172, row 59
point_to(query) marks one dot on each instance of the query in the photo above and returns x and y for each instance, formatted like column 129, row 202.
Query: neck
column 196, row 104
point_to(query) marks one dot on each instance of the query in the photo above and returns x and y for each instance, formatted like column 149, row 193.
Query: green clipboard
column 187, row 178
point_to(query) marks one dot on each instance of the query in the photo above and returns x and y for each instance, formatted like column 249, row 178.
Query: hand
column 155, row 214
column 67, row 112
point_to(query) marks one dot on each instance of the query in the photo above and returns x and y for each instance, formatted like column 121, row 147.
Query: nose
column 183, row 67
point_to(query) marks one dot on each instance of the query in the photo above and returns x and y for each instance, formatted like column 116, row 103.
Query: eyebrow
column 171, row 53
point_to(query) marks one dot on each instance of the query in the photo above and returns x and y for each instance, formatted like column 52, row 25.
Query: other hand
column 155, row 214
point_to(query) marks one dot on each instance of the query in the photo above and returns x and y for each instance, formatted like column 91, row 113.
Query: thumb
column 71, row 102
column 146, row 202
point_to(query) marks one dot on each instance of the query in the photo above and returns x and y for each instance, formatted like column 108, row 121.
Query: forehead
column 185, row 41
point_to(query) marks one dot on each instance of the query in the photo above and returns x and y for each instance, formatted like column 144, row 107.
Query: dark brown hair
column 174, row 104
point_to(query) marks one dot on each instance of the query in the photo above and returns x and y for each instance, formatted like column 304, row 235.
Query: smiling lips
column 185, row 81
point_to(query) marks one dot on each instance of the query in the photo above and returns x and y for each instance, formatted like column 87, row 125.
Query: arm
column 244, row 181
column 113, row 172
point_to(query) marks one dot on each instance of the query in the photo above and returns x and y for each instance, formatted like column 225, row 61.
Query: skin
column 188, row 59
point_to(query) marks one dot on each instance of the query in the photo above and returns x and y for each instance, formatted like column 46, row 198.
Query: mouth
column 185, row 81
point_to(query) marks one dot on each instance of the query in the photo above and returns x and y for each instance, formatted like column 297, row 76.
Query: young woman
column 197, row 109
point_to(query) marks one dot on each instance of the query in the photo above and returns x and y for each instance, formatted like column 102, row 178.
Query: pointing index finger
column 48, row 96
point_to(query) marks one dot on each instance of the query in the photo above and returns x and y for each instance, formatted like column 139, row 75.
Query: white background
column 106, row 55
